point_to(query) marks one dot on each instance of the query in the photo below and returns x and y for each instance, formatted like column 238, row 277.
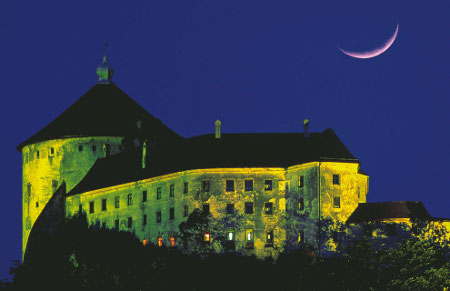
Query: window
column 144, row 242
column 205, row 208
column 186, row 211
column 230, row 236
column 144, row 196
column 52, row 151
column 94, row 148
column 336, row 179
column 158, row 193
column 205, row 186
column 172, row 241
column 103, row 204
column 130, row 222
column 80, row 148
column 130, row 199
column 186, row 188
column 300, row 181
column 230, row 208
column 249, row 235
column 117, row 202
column 268, row 185
column 37, row 154
column 28, row 191
column 103, row 224
column 158, row 216
column 37, row 204
column 301, row 236
column 248, row 185
column 230, row 186
column 268, row 208
column 116, row 224
column 269, row 238
column 80, row 209
column 337, row 202
column 172, row 213
column 248, row 207
column 301, row 204
column 144, row 219
column 206, row 237
column 91, row 207
column 172, row 190
column 160, row 243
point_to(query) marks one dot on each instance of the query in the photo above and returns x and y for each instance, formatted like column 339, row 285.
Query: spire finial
column 105, row 71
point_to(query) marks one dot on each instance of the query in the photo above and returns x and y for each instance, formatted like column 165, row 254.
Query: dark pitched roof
column 104, row 110
column 385, row 210
column 230, row 151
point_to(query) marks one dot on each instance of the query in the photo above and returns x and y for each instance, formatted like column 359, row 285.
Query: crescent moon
column 372, row 53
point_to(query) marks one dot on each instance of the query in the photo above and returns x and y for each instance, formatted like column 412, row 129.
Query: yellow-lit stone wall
column 285, row 193
column 46, row 164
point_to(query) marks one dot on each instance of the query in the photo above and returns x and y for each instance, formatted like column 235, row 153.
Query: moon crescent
column 372, row 53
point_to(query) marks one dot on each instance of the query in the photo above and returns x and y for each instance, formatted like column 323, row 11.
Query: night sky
column 258, row 66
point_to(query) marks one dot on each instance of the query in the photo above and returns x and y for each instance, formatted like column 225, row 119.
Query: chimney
column 306, row 128
column 218, row 124
column 144, row 154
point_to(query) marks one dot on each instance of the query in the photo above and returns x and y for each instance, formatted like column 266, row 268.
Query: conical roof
column 104, row 110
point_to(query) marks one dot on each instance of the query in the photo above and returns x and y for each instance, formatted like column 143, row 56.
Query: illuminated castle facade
column 108, row 157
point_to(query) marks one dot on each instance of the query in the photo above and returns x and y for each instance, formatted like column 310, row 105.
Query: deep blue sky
column 259, row 66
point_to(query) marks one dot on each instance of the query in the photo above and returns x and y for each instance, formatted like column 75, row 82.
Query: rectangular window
column 269, row 238
column 248, row 207
column 206, row 237
column 186, row 188
column 172, row 213
column 230, row 236
column 80, row 148
column 130, row 222
column 144, row 196
column 172, row 241
column 158, row 193
column 158, row 216
column 268, row 185
column 130, row 199
column 103, row 204
column 205, row 208
column 144, row 219
column 300, row 181
column 268, row 208
column 337, row 202
column 37, row 154
column 52, row 151
column 249, row 239
column 37, row 204
column 186, row 211
column 205, row 186
column 94, row 148
column 144, row 242
column 301, row 204
column 117, row 201
column 230, row 186
column 248, row 185
column 160, row 243
column 301, row 236
column 230, row 208
column 336, row 179
column 116, row 224
column 172, row 190
column 91, row 207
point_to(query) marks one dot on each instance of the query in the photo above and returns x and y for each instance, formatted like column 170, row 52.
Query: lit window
column 144, row 219
column 248, row 207
column 186, row 188
column 91, row 207
column 269, row 238
column 300, row 181
column 172, row 190
column 172, row 213
column 144, row 242
column 336, row 179
column 205, row 186
column 158, row 193
column 230, row 208
column 268, row 185
column 172, row 241
column 207, row 237
column 186, row 211
column 230, row 236
column 130, row 199
column 230, row 185
column 116, row 223
column 160, row 243
column 130, row 222
column 205, row 208
column 158, row 216
column 301, row 204
column 301, row 236
column 248, row 185
column 94, row 148
column 80, row 148
column 103, row 204
column 117, row 201
column 249, row 235
column 268, row 208
column 337, row 202
column 144, row 196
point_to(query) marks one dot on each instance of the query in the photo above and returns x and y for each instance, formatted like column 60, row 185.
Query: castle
column 108, row 157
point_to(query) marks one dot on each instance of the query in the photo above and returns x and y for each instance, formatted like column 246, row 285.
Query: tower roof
column 104, row 110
